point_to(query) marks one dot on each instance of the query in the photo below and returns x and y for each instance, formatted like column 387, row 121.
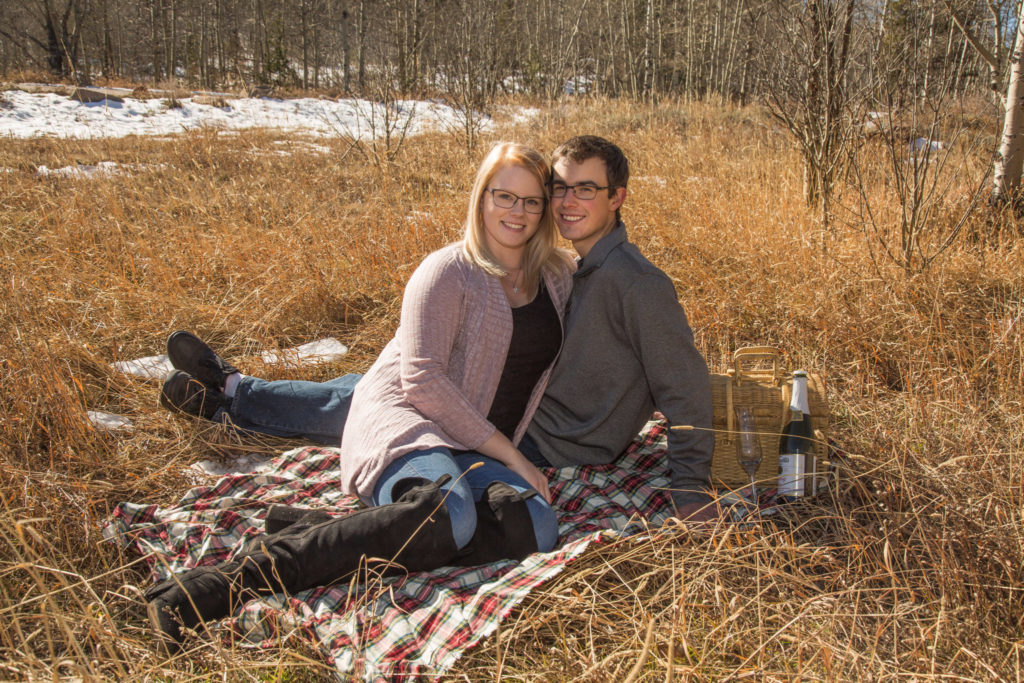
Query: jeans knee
column 545, row 523
column 463, row 519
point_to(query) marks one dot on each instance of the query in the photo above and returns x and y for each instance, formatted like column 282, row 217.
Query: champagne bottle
column 796, row 443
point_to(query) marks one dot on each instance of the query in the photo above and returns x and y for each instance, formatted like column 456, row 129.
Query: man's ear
column 618, row 198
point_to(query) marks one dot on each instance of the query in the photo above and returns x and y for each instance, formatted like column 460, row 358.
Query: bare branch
column 983, row 51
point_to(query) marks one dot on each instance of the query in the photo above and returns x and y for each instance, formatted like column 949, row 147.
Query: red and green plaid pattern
column 416, row 625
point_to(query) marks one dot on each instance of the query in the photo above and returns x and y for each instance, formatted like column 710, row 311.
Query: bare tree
column 785, row 51
column 807, row 88
column 921, row 153
column 59, row 24
column 991, row 49
column 1010, row 158
column 361, row 49
column 472, row 69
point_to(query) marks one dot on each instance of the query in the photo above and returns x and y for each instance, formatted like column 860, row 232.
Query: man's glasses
column 506, row 200
column 581, row 191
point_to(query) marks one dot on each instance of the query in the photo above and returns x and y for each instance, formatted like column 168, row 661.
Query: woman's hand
column 501, row 449
column 533, row 476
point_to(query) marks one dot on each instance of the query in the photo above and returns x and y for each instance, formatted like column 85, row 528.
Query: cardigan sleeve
column 432, row 318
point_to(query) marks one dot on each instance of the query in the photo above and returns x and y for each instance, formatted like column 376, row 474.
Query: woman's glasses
column 506, row 200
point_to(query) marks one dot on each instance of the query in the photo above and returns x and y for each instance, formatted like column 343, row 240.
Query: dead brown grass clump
column 911, row 568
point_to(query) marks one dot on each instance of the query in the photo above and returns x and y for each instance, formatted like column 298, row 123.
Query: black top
column 536, row 338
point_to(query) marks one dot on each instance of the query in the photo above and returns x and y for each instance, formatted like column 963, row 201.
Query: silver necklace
column 515, row 282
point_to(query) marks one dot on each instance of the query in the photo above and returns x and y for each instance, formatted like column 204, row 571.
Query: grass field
column 911, row 569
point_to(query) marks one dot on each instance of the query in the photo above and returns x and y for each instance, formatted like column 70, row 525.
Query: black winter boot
column 504, row 529
column 184, row 393
column 188, row 599
column 412, row 534
column 280, row 517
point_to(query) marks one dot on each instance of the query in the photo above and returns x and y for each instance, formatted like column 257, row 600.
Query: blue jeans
column 465, row 488
column 316, row 411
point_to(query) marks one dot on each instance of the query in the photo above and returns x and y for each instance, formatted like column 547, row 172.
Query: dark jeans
column 316, row 411
column 531, row 450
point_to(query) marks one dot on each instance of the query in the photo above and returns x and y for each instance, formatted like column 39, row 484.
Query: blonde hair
column 541, row 252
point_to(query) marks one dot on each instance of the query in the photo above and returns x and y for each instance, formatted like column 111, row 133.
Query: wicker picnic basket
column 756, row 380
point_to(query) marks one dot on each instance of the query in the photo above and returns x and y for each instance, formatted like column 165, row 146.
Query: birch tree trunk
column 361, row 49
column 346, row 59
column 154, row 19
column 172, row 53
column 1007, row 170
column 304, row 39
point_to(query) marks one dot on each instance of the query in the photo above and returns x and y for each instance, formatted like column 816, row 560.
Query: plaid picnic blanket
column 403, row 627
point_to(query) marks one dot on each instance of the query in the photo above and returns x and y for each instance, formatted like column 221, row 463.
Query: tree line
column 825, row 69
column 634, row 48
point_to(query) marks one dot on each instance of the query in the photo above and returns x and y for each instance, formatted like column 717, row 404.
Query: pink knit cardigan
column 433, row 384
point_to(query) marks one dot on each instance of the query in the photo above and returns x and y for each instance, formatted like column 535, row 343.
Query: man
column 628, row 351
column 628, row 348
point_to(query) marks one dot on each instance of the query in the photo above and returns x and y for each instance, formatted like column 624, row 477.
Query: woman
column 430, row 437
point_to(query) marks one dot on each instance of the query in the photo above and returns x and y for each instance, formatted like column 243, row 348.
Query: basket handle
column 753, row 354
column 729, row 414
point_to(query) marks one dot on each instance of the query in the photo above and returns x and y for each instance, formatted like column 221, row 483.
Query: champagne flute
column 748, row 446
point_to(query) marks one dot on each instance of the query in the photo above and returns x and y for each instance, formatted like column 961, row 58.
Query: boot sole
column 184, row 361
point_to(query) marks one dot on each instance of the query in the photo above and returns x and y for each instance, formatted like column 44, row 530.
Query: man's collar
column 596, row 256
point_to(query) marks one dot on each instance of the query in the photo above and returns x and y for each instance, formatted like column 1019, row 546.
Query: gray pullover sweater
column 628, row 351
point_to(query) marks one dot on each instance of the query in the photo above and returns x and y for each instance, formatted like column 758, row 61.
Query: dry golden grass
column 911, row 568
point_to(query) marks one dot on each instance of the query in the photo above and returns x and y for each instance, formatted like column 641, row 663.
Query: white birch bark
column 1009, row 161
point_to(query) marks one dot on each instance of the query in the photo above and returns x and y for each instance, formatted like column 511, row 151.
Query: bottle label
column 792, row 474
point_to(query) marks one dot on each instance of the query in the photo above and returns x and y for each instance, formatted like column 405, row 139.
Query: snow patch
column 109, row 422
column 49, row 114
column 926, row 145
column 314, row 353
column 149, row 367
column 84, row 171
column 578, row 85
column 104, row 168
